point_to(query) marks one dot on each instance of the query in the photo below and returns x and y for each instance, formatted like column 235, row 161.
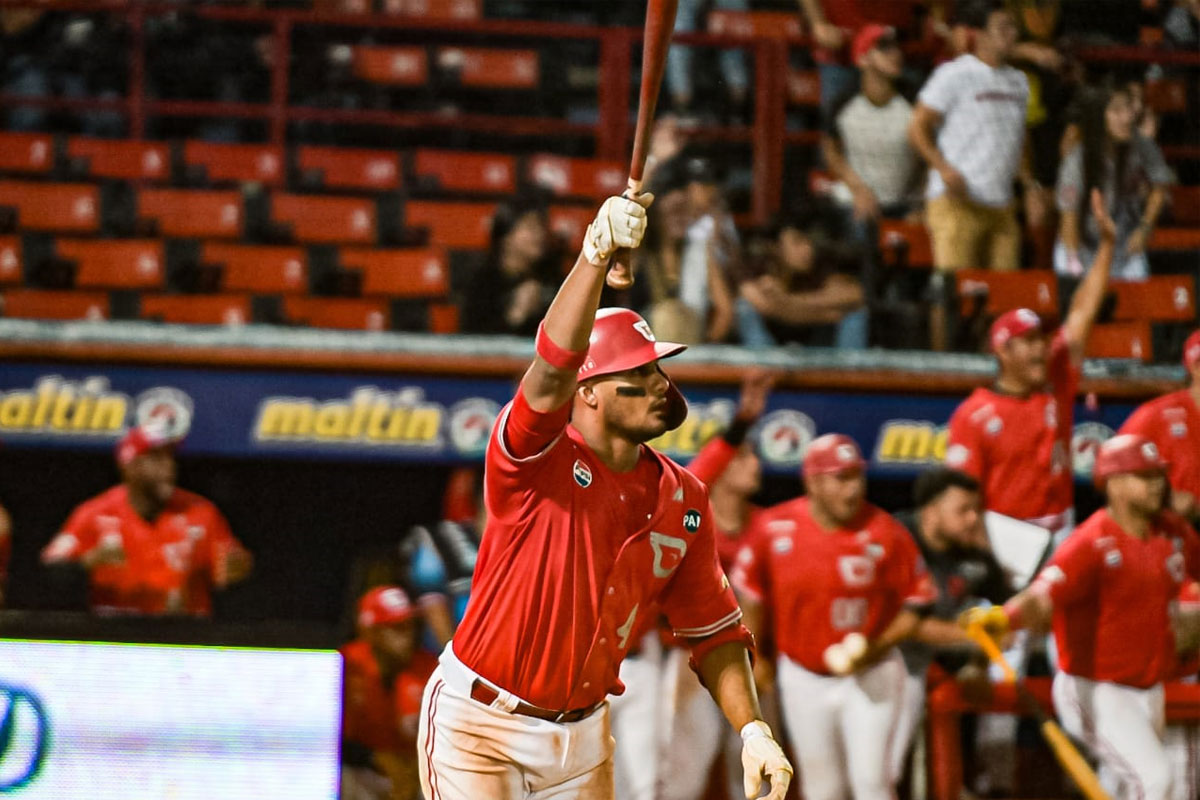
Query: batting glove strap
column 619, row 223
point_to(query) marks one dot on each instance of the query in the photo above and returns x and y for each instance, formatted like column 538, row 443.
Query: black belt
column 482, row 693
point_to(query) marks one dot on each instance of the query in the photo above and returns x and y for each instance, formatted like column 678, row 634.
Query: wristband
column 555, row 356
column 754, row 729
column 735, row 434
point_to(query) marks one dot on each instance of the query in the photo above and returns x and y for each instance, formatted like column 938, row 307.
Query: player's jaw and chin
column 639, row 412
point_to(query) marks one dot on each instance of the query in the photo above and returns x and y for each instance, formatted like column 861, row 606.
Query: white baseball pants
column 469, row 751
column 842, row 728
column 1123, row 727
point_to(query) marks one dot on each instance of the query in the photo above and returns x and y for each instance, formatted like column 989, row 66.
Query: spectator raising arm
column 1085, row 304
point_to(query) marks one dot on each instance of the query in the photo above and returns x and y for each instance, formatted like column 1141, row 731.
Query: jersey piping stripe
column 434, row 696
column 708, row 630
column 504, row 445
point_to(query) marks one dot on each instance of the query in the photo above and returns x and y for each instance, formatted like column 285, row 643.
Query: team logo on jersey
column 994, row 426
column 785, row 435
column 875, row 551
column 1178, row 430
column 582, row 474
column 1113, row 558
column 780, row 544
column 691, row 520
column 668, row 552
column 1176, row 567
column 856, row 570
column 1086, row 439
column 1052, row 415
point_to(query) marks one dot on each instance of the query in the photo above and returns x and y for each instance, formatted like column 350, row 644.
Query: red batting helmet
column 1127, row 452
column 384, row 605
column 831, row 453
column 1191, row 350
column 140, row 440
column 622, row 340
column 1010, row 324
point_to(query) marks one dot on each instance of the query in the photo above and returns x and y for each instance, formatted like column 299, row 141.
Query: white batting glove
column 763, row 757
column 621, row 222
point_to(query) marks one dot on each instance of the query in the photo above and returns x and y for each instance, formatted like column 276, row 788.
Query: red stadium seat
column 804, row 88
column 26, row 152
column 570, row 222
column 443, row 318
column 235, row 163
column 459, row 226
column 1160, row 298
column 40, row 304
column 400, row 273
column 1120, row 340
column 894, row 235
column 1167, row 96
column 70, row 207
column 349, row 313
column 198, row 213
column 258, row 268
column 345, row 168
column 197, row 309
column 577, row 177
column 1185, row 204
column 326, row 220
column 489, row 68
column 119, row 159
column 455, row 171
column 391, row 66
column 115, row 263
column 435, row 9
column 1035, row 289
column 343, row 6
column 755, row 24
column 11, row 261
column 1175, row 239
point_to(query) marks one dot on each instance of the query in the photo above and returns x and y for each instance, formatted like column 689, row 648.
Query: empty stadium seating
column 11, row 261
column 213, row 309
column 399, row 273
column 199, row 213
column 119, row 159
column 115, row 263
column 56, row 305
column 462, row 226
column 258, row 268
column 435, row 9
column 747, row 24
column 577, row 177
column 325, row 219
column 219, row 162
column 350, row 313
column 455, row 171
column 1161, row 298
column 1035, row 289
column 63, row 207
column 1120, row 340
column 31, row 153
column 349, row 168
column 906, row 242
column 489, row 68
column 391, row 66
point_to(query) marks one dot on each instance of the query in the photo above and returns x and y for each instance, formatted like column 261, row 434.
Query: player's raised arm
column 562, row 338
column 1085, row 304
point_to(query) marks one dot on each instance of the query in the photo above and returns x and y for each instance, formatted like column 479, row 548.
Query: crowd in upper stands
column 898, row 152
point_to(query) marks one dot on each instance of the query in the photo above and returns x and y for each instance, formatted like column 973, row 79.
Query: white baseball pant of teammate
column 842, row 728
column 547, row 752
column 912, row 710
column 1123, row 728
column 1183, row 752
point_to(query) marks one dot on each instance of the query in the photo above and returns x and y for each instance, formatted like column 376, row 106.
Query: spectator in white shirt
column 976, row 104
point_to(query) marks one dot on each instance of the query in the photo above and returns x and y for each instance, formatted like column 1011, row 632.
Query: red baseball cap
column 831, row 453
column 1010, row 324
column 1191, row 350
column 140, row 440
column 1127, row 452
column 385, row 605
column 869, row 37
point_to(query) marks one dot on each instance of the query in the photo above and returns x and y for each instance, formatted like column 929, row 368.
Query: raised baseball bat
column 660, row 24
column 1072, row 761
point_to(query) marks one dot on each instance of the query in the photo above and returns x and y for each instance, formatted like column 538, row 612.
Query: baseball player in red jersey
column 1173, row 423
column 385, row 676
column 1107, row 592
column 665, row 709
column 148, row 546
column 1014, row 436
column 587, row 529
column 841, row 580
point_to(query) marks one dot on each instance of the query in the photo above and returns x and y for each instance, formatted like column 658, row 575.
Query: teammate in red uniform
column 1107, row 592
column 840, row 579
column 1173, row 423
column 1014, row 437
column 149, row 547
column 385, row 676
column 588, row 528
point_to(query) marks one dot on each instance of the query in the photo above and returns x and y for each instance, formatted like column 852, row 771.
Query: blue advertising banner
column 421, row 419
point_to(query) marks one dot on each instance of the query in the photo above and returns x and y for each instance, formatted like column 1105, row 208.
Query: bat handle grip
column 620, row 272
column 994, row 654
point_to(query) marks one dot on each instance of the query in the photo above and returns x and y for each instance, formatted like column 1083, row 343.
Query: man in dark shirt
column 947, row 526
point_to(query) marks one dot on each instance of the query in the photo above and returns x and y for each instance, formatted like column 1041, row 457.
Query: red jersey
column 170, row 564
column 381, row 715
column 1019, row 448
column 1172, row 422
column 708, row 465
column 1112, row 594
column 575, row 554
column 820, row 585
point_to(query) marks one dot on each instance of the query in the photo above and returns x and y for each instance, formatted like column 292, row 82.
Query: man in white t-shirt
column 969, row 126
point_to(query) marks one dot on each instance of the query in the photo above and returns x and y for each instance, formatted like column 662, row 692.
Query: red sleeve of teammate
column 1072, row 572
column 749, row 574
column 699, row 602
column 1144, row 421
column 1063, row 372
column 712, row 460
column 77, row 537
column 964, row 446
